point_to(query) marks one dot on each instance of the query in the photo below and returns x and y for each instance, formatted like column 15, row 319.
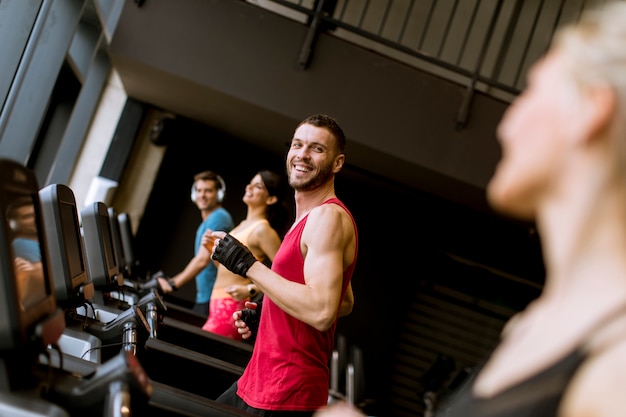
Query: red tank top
column 289, row 369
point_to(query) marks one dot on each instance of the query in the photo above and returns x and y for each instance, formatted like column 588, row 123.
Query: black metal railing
column 487, row 45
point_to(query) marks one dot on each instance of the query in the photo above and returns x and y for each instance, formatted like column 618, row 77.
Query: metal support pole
column 311, row 35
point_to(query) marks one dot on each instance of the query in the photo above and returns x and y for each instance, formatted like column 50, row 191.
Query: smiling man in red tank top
column 307, row 288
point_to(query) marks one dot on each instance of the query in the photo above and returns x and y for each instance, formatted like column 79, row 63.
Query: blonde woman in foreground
column 339, row 409
column 564, row 166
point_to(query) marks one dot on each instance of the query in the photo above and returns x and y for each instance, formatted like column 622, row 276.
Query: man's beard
column 325, row 174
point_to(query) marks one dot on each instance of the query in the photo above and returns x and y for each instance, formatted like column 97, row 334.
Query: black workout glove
column 233, row 255
column 251, row 317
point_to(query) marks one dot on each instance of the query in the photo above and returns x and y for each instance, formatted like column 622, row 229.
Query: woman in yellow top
column 264, row 197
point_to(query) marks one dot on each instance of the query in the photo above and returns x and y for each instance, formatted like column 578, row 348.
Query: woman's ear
column 597, row 111
column 271, row 200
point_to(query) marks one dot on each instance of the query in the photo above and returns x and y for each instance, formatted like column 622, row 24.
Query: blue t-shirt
column 218, row 220
column 27, row 249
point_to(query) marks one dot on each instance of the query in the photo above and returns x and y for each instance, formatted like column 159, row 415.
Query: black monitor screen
column 74, row 252
column 126, row 233
column 28, row 259
column 67, row 260
column 26, row 297
column 101, row 261
column 117, row 240
column 107, row 238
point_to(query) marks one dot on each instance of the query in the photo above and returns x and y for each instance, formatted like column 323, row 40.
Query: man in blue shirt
column 207, row 193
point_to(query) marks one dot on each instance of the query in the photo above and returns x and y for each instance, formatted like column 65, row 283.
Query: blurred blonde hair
column 595, row 49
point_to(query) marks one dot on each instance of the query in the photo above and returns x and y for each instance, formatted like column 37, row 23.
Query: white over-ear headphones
column 220, row 192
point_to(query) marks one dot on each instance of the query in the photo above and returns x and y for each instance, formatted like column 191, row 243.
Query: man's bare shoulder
column 330, row 212
column 329, row 225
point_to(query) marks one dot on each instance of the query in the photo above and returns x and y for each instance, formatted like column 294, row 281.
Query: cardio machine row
column 83, row 334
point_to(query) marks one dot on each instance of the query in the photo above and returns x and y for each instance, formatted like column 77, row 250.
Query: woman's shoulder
column 262, row 228
column 597, row 389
